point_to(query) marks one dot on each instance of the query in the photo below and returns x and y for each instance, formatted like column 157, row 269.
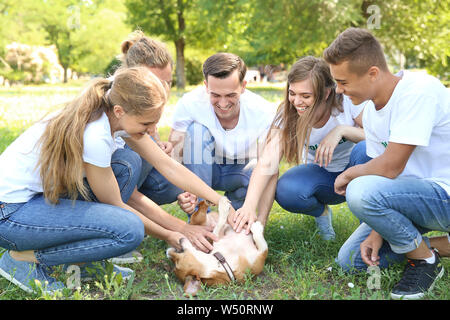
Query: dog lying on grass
column 233, row 254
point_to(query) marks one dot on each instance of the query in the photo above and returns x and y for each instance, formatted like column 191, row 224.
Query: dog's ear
column 199, row 217
column 192, row 285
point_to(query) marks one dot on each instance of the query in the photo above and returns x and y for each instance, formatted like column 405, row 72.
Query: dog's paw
column 257, row 227
column 168, row 251
column 224, row 206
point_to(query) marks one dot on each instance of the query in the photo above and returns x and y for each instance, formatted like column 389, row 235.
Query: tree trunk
column 180, row 44
column 181, row 76
column 65, row 74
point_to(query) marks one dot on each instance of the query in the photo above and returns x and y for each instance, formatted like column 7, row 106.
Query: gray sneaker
column 325, row 226
column 23, row 274
column 97, row 270
column 130, row 257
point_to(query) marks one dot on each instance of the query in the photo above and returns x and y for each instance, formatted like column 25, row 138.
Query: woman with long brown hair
column 316, row 129
column 60, row 200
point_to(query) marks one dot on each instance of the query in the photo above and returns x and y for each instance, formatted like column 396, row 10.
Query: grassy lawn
column 299, row 266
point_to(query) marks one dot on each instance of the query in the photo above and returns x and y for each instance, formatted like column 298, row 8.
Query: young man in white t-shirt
column 403, row 192
column 217, row 127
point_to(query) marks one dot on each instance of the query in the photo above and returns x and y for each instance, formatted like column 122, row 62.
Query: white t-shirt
column 255, row 117
column 19, row 177
column 98, row 144
column 418, row 113
column 341, row 154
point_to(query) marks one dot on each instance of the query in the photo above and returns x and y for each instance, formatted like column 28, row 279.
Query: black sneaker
column 418, row 278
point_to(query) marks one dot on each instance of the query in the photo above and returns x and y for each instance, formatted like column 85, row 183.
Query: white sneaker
column 130, row 257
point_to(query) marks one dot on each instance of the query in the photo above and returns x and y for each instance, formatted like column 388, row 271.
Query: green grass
column 299, row 266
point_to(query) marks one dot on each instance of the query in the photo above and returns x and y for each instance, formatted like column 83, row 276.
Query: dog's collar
column 225, row 265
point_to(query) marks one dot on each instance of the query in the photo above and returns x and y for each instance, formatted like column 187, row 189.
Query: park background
column 50, row 49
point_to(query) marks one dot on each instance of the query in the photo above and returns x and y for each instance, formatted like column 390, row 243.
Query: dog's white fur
column 242, row 252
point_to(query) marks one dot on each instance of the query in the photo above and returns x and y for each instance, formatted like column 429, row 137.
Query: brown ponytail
column 141, row 50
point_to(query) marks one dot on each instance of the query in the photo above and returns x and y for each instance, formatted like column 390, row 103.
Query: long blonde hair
column 295, row 129
column 60, row 162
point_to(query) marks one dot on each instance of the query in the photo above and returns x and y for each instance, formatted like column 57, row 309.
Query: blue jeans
column 400, row 210
column 309, row 188
column 151, row 183
column 156, row 187
column 127, row 170
column 199, row 156
column 74, row 231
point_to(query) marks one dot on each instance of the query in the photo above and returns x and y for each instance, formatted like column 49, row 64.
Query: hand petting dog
column 198, row 236
column 234, row 254
column 244, row 218
column 240, row 219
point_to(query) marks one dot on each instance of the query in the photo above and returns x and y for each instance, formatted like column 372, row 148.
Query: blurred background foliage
column 85, row 35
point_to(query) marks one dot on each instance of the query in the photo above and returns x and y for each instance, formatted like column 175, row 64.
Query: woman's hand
column 198, row 236
column 370, row 247
column 174, row 239
column 243, row 216
column 325, row 150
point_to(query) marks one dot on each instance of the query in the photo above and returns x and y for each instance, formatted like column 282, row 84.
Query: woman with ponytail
column 140, row 50
column 316, row 129
column 61, row 202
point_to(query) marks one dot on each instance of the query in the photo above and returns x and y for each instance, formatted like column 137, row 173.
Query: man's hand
column 165, row 146
column 187, row 202
column 342, row 180
column 370, row 247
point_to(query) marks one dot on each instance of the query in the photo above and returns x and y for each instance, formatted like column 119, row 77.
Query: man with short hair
column 217, row 128
column 403, row 192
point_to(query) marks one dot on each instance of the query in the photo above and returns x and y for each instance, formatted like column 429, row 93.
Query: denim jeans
column 127, row 170
column 151, row 183
column 74, row 231
column 309, row 188
column 400, row 210
column 199, row 156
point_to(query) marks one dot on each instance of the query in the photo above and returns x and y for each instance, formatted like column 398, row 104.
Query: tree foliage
column 280, row 31
column 81, row 30
column 164, row 18
column 88, row 33
column 202, row 24
column 16, row 27
column 419, row 31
